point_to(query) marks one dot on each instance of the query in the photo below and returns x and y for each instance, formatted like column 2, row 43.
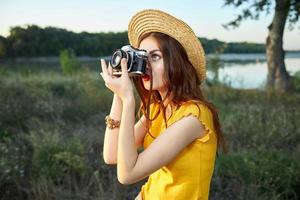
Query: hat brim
column 150, row 20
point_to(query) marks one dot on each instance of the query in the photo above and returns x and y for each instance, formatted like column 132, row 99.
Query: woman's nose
column 148, row 68
column 148, row 65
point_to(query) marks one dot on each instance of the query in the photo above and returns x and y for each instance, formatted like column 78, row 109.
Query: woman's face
column 157, row 64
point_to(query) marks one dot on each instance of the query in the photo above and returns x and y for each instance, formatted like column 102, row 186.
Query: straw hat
column 150, row 20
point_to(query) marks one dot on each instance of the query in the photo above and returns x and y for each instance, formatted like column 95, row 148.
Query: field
column 52, row 129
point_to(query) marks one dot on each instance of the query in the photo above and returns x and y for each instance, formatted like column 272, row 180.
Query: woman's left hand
column 122, row 86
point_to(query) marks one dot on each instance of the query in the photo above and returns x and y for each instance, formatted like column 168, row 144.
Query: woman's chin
column 147, row 85
column 147, row 88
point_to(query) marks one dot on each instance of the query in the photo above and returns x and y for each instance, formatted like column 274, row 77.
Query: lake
column 250, row 70
column 237, row 70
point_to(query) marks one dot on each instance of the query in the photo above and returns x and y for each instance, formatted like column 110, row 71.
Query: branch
column 293, row 16
column 252, row 11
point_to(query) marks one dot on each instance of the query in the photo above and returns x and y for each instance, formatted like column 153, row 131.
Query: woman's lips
column 146, row 77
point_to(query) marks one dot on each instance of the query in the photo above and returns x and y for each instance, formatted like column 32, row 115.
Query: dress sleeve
column 201, row 112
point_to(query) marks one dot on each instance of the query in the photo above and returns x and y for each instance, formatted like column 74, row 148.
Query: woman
column 179, row 130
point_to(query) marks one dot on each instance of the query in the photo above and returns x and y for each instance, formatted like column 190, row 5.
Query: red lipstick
column 146, row 77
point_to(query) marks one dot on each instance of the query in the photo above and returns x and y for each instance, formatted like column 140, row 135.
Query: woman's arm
column 132, row 166
column 127, row 152
column 110, row 146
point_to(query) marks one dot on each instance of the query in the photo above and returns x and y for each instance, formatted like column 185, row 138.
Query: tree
column 278, row 78
column 3, row 46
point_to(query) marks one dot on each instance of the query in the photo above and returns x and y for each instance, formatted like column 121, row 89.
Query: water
column 238, row 70
column 249, row 71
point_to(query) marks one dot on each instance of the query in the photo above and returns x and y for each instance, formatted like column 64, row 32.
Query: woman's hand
column 122, row 86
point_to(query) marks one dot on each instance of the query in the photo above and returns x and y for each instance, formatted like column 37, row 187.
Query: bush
column 257, row 175
column 68, row 62
column 55, row 155
column 52, row 128
column 296, row 81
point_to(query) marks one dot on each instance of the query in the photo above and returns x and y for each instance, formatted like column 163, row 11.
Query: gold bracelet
column 111, row 123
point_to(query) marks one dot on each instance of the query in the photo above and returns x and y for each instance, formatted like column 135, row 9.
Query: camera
column 136, row 61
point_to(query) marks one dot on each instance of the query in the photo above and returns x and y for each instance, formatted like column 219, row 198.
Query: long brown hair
column 184, row 86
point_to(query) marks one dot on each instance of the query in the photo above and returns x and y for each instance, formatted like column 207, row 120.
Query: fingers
column 105, row 74
column 124, row 67
column 103, row 66
column 110, row 70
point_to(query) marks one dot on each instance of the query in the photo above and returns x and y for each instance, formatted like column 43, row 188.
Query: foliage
column 68, row 61
column 3, row 47
column 218, row 47
column 51, row 137
column 33, row 41
column 244, row 47
column 253, row 10
column 213, row 65
column 55, row 155
column 257, row 174
column 296, row 81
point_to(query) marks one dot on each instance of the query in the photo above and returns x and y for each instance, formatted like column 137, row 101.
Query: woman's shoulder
column 201, row 111
column 182, row 109
column 193, row 106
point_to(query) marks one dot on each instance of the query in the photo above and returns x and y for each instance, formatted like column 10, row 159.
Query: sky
column 204, row 17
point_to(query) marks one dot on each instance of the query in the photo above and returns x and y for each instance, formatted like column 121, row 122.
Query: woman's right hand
column 122, row 85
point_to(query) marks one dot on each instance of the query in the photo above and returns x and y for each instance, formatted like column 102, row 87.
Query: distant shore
column 224, row 57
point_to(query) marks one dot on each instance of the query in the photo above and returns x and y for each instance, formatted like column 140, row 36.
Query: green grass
column 52, row 128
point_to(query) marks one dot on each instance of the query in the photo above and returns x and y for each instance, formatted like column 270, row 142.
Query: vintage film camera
column 136, row 61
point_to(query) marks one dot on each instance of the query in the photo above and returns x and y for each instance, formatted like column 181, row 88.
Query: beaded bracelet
column 111, row 123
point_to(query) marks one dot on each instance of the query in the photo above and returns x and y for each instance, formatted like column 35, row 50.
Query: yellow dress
column 189, row 175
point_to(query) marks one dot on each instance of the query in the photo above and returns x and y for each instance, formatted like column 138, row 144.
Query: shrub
column 55, row 155
column 68, row 62
column 257, row 175
column 296, row 81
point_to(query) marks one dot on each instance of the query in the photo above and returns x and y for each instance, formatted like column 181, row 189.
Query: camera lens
column 115, row 60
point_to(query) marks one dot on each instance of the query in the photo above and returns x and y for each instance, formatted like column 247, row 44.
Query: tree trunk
column 278, row 78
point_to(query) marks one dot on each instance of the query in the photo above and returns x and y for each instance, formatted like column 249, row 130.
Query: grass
column 52, row 128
